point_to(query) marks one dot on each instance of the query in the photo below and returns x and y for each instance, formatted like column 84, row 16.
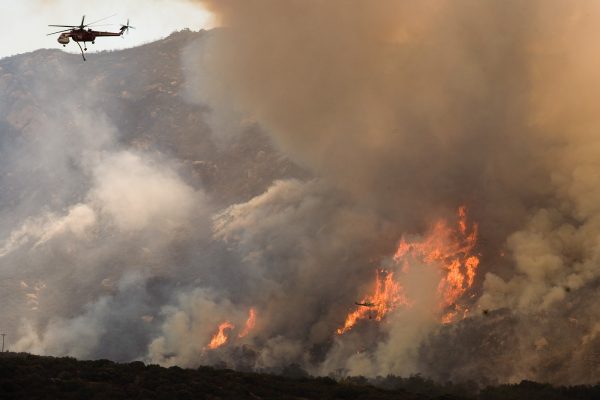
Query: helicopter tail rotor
column 126, row 28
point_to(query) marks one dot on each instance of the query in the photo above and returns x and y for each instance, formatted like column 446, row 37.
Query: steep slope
column 141, row 92
column 68, row 128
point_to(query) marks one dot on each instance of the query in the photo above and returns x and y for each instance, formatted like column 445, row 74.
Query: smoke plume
column 408, row 110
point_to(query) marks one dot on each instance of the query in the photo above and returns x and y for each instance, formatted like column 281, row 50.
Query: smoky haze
column 275, row 164
column 409, row 109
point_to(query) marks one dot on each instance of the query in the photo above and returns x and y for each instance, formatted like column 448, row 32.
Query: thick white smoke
column 89, row 225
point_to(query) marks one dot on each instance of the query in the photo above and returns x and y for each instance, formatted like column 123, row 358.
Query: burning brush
column 449, row 250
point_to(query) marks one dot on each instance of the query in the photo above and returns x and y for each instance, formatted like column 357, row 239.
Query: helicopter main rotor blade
column 65, row 26
column 82, row 19
column 99, row 26
column 100, row 20
column 54, row 33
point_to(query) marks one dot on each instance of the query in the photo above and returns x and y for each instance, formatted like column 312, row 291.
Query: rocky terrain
column 141, row 91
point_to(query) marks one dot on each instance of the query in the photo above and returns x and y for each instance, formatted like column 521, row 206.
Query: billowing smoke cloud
column 90, row 227
column 293, row 243
column 399, row 112
column 365, row 95
column 410, row 109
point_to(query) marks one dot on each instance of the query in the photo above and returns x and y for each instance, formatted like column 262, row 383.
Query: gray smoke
column 90, row 226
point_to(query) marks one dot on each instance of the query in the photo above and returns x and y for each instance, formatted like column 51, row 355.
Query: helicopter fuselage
column 79, row 33
column 83, row 35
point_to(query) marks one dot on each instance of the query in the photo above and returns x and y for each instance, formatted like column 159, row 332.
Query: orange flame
column 250, row 323
column 459, row 312
column 450, row 249
column 220, row 338
column 388, row 295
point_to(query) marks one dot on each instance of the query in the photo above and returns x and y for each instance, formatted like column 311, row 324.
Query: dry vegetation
column 35, row 377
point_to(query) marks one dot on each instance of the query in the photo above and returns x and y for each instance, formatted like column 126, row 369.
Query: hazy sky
column 24, row 23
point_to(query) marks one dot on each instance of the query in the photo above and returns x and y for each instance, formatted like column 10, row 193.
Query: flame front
column 444, row 247
column 250, row 323
column 388, row 295
column 448, row 249
column 220, row 338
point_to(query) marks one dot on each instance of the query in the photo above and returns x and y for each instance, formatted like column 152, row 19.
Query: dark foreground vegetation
column 35, row 377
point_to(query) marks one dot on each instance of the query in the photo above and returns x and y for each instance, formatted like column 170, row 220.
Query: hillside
column 59, row 118
column 141, row 93
column 193, row 202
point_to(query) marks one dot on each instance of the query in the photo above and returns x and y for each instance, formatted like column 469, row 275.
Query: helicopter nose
column 63, row 39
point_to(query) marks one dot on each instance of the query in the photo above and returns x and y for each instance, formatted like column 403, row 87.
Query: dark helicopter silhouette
column 79, row 34
column 368, row 305
column 365, row 304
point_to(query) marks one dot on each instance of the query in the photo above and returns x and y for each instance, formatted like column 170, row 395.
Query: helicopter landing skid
column 82, row 54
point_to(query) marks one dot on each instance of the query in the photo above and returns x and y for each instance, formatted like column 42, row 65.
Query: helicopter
column 368, row 305
column 79, row 34
column 365, row 304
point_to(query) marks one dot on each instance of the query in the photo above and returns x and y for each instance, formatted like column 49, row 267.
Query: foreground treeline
column 35, row 377
column 471, row 390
